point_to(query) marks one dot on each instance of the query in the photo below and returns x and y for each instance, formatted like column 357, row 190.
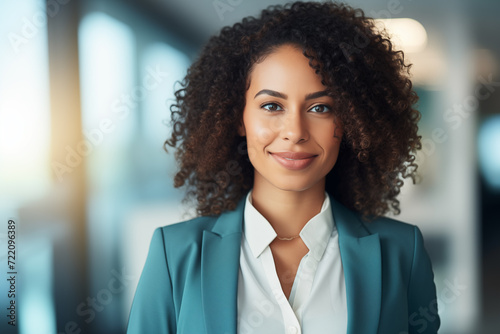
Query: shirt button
column 292, row 330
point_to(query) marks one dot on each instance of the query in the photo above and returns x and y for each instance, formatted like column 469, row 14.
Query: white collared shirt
column 317, row 302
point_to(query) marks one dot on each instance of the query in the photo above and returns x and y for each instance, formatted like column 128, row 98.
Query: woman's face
column 293, row 137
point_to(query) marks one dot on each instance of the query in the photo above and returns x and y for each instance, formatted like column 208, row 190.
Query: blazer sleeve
column 152, row 309
column 423, row 315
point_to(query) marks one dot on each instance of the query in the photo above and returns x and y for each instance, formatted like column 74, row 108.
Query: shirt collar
column 315, row 234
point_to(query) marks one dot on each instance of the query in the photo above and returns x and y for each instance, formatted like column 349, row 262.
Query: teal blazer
column 189, row 282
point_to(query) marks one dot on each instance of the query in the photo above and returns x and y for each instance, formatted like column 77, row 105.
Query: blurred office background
column 84, row 93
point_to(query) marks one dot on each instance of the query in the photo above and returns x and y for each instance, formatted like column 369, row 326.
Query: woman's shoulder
column 396, row 234
column 187, row 229
column 390, row 226
column 389, row 230
column 385, row 227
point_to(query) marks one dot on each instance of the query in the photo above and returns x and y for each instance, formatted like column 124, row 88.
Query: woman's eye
column 272, row 107
column 321, row 108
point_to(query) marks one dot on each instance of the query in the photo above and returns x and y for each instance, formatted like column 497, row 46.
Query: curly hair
column 359, row 66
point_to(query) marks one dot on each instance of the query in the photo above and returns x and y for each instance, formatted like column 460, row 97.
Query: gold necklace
column 288, row 239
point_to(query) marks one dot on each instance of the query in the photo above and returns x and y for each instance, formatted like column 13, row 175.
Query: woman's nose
column 294, row 128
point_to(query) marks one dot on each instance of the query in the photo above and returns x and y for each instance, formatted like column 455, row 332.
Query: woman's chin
column 294, row 184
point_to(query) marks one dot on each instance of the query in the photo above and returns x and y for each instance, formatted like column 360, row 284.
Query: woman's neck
column 286, row 210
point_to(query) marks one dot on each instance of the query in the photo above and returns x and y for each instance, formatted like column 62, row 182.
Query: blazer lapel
column 361, row 261
column 220, row 258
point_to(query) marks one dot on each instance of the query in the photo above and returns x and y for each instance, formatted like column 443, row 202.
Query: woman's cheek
column 264, row 135
column 262, row 130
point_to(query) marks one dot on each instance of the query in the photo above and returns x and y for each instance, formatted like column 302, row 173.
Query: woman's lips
column 294, row 160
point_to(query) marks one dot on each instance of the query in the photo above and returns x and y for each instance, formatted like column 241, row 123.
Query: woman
column 293, row 134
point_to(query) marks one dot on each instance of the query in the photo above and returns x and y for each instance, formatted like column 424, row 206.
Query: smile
column 294, row 160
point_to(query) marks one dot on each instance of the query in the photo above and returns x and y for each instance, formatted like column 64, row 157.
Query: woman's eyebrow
column 274, row 93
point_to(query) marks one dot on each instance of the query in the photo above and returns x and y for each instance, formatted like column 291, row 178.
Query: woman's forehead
column 285, row 67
